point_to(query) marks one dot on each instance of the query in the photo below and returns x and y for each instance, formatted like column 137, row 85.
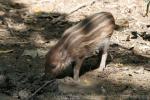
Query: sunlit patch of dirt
column 29, row 28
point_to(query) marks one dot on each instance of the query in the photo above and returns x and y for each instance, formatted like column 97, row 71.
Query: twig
column 39, row 89
column 6, row 51
column 74, row 10
column 17, row 43
column 22, row 42
column 82, row 6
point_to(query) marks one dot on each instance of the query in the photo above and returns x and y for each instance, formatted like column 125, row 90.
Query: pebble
column 23, row 94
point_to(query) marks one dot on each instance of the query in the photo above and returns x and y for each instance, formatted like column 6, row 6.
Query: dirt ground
column 29, row 28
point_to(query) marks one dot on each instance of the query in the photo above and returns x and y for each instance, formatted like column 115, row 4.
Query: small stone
column 41, row 52
column 24, row 94
column 31, row 53
column 139, row 71
column 128, row 38
column 125, row 68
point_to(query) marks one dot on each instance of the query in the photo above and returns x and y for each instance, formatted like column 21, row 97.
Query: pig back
column 88, row 35
column 80, row 41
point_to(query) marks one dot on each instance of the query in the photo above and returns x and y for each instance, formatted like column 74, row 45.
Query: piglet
column 79, row 42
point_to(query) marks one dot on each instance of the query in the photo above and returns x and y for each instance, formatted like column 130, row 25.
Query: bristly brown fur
column 80, row 41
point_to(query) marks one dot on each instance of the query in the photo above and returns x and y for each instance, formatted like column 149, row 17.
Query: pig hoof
column 77, row 80
column 100, row 69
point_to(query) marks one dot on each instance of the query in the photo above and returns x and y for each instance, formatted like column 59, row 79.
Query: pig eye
column 52, row 66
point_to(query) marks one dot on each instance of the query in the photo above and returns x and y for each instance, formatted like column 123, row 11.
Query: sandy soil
column 29, row 28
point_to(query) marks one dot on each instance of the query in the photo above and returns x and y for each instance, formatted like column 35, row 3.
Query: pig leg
column 104, row 55
column 77, row 69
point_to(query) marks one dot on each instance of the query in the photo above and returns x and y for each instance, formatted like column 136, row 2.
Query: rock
column 31, row 53
column 139, row 71
column 41, row 52
column 141, row 49
column 128, row 38
column 122, row 22
column 24, row 94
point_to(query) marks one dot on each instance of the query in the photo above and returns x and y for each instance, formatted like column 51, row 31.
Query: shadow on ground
column 24, row 70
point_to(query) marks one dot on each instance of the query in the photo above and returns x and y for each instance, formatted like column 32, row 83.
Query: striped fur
column 79, row 42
